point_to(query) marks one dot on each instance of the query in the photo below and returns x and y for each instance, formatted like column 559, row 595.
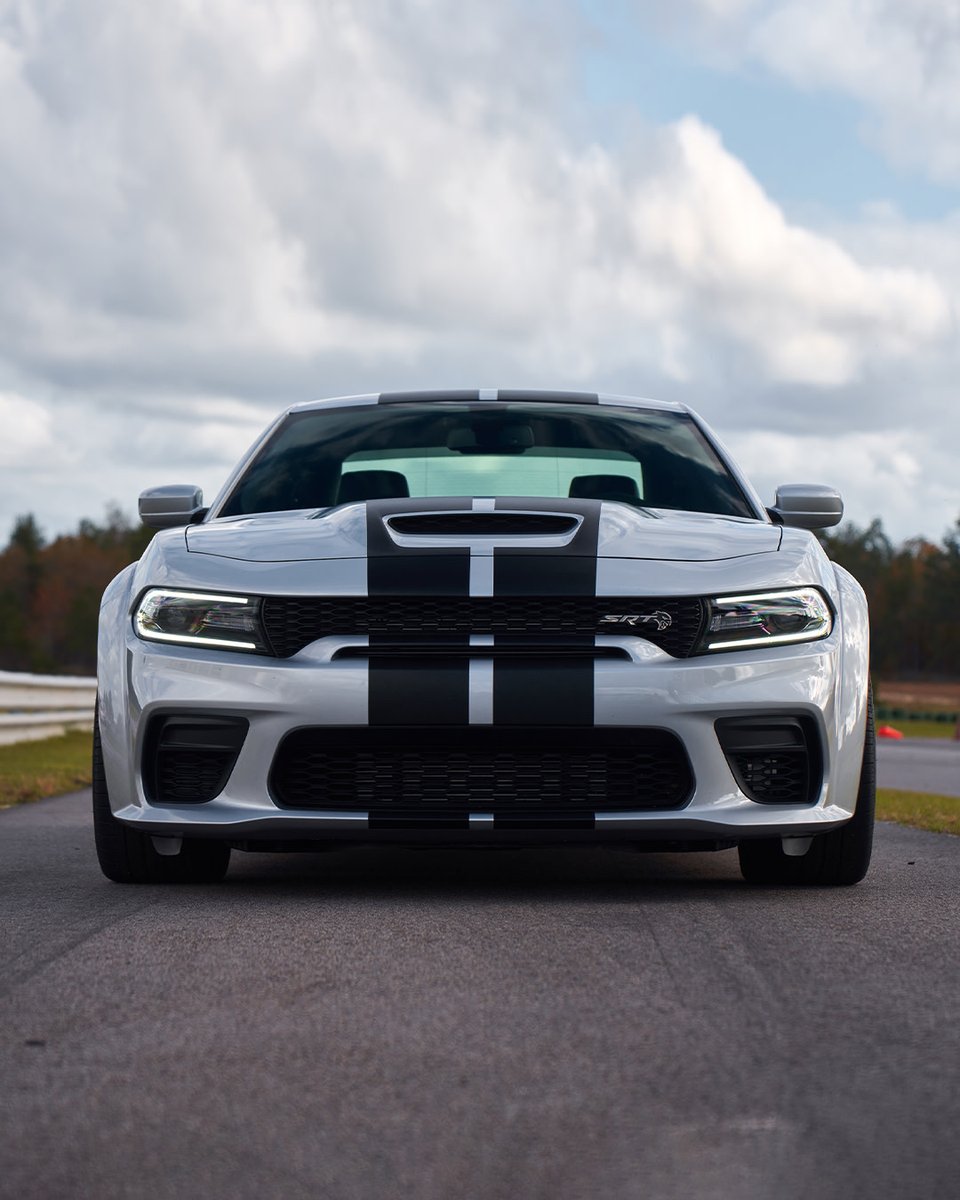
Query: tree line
column 50, row 594
column 914, row 595
column 50, row 591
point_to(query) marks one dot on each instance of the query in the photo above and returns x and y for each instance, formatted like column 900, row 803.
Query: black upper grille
column 518, row 774
column 292, row 622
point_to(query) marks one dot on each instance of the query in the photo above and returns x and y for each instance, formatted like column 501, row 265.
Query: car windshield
column 645, row 457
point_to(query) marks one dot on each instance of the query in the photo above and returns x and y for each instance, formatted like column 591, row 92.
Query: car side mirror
column 175, row 504
column 807, row 506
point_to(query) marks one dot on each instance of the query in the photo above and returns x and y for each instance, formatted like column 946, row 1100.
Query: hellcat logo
column 660, row 619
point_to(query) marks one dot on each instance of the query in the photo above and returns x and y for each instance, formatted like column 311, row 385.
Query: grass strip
column 939, row 814
column 921, row 729
column 46, row 767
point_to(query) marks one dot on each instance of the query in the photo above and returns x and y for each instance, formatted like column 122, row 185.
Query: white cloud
column 876, row 472
column 240, row 186
column 900, row 59
column 803, row 305
column 207, row 216
column 27, row 432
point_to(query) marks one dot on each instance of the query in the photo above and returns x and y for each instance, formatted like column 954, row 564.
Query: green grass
column 50, row 767
column 922, row 729
column 939, row 814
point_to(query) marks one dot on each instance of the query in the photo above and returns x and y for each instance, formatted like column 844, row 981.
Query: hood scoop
column 483, row 524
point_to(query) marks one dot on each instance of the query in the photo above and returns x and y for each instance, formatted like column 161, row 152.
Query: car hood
column 549, row 527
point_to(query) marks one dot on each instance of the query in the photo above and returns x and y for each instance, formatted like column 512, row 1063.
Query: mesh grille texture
column 516, row 774
column 293, row 622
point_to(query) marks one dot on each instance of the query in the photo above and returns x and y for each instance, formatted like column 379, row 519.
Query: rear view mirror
column 807, row 506
column 488, row 438
column 175, row 504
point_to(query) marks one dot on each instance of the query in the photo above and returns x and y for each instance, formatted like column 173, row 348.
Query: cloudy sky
column 212, row 208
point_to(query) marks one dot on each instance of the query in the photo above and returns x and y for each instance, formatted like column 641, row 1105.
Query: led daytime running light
column 753, row 597
column 187, row 639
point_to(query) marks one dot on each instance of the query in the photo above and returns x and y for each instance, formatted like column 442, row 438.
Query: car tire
column 127, row 856
column 839, row 858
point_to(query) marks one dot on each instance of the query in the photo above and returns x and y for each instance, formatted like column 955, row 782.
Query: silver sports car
column 485, row 618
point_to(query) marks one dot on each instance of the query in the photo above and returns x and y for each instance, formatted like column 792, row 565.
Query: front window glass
column 657, row 459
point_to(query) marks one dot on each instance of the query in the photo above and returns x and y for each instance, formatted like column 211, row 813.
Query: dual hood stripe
column 455, row 689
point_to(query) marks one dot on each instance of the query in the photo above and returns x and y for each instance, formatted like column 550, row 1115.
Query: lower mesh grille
column 188, row 760
column 191, row 776
column 519, row 775
column 774, row 762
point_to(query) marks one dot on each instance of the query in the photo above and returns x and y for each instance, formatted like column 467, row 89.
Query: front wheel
column 839, row 858
column 127, row 856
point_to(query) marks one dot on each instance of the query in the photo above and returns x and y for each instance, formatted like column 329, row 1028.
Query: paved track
column 920, row 765
column 533, row 1024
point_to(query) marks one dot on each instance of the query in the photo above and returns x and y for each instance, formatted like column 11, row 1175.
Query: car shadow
column 549, row 874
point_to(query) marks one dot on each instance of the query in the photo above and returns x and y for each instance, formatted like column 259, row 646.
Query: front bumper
column 650, row 691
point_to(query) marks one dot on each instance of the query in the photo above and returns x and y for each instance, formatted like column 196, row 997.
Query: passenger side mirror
column 807, row 506
column 175, row 504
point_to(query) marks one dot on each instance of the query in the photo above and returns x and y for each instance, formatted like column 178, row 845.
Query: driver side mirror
column 175, row 504
column 807, row 506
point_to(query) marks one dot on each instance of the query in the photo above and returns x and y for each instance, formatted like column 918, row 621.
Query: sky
column 211, row 209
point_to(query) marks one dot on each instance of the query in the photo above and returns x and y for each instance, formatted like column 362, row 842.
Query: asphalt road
column 531, row 1024
column 920, row 765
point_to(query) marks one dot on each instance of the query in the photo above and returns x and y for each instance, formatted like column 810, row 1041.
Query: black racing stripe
column 420, row 573
column 540, row 397
column 538, row 691
column 568, row 571
column 434, row 690
column 393, row 570
column 561, row 692
column 416, row 397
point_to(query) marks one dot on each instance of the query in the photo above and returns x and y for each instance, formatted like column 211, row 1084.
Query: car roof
column 480, row 395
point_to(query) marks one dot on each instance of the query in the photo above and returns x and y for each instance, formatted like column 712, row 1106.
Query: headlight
column 767, row 619
column 200, row 619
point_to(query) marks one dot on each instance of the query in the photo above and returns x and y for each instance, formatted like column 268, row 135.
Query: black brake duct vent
column 188, row 759
column 774, row 760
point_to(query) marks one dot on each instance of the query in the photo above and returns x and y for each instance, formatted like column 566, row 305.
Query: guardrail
column 39, row 706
